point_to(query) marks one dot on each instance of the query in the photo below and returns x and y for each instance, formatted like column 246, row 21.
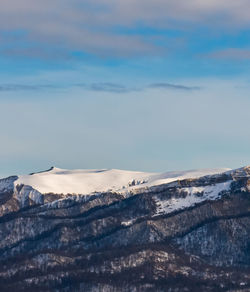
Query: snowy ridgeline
column 61, row 181
column 194, row 195
column 86, row 183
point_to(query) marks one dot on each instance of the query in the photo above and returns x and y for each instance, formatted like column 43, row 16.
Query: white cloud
column 82, row 25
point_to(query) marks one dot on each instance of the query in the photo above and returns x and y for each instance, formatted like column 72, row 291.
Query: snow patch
column 211, row 191
column 127, row 223
column 194, row 196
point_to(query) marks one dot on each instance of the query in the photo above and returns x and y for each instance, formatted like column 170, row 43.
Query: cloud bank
column 96, row 27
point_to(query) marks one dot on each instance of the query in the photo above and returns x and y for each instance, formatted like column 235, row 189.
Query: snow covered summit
column 62, row 181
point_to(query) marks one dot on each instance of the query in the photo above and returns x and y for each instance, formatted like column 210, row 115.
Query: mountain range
column 115, row 230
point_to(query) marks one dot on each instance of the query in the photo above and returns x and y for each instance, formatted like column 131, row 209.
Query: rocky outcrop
column 188, row 235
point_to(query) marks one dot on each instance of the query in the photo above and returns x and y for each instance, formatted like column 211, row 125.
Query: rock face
column 190, row 234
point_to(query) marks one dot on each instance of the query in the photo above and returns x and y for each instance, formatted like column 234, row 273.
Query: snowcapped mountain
column 62, row 181
column 117, row 230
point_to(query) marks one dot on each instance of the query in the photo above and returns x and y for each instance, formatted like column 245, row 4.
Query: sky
column 149, row 85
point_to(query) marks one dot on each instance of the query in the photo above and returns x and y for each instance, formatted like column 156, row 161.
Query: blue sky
column 142, row 85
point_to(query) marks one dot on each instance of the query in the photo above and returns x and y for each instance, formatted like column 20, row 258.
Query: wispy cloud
column 23, row 87
column 98, row 87
column 106, row 87
column 174, row 86
column 231, row 54
column 92, row 28
column 102, row 86
column 37, row 53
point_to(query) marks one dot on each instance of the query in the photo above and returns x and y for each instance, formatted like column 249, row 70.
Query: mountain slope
column 113, row 230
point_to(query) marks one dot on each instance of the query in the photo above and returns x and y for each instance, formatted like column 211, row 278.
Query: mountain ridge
column 100, row 180
column 190, row 233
